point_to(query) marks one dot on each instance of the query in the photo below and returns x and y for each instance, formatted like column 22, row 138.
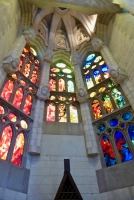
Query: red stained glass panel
column 52, row 85
column 96, row 109
column 2, row 111
column 28, row 105
column 18, row 98
column 7, row 90
column 61, row 85
column 5, row 142
column 50, row 113
column 27, row 70
column 34, row 77
column 18, row 150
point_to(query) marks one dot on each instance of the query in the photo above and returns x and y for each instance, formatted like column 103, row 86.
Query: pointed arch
column 18, row 150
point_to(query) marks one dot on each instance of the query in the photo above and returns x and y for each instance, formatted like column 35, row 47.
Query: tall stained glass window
column 104, row 96
column 16, row 101
column 62, row 105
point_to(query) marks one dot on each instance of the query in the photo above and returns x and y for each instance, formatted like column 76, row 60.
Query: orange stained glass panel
column 34, row 77
column 18, row 150
column 7, row 90
column 28, row 105
column 5, row 142
column 27, row 70
column 96, row 109
column 18, row 98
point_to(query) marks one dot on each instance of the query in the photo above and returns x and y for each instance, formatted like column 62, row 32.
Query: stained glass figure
column 5, row 142
column 97, row 76
column 70, row 86
column 18, row 150
column 89, row 82
column 105, row 71
column 2, row 110
column 73, row 114
column 127, row 116
column 50, row 112
column 122, row 146
column 131, row 132
column 7, row 90
column 18, row 98
column 108, row 152
column 61, row 85
column 107, row 103
column 96, row 109
column 27, row 69
column 12, row 117
column 118, row 98
column 28, row 105
column 113, row 122
column 62, row 113
column 90, row 57
column 52, row 85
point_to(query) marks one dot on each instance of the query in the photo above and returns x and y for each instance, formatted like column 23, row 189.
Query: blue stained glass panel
column 113, row 122
column 90, row 57
column 127, row 116
column 105, row 71
column 97, row 76
column 101, row 128
column 122, row 146
column 89, row 82
column 131, row 132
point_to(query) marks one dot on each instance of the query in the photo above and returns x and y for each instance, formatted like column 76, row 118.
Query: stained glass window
column 52, row 85
column 89, row 81
column 107, row 103
column 131, row 132
column 18, row 150
column 118, row 98
column 108, row 152
column 5, row 142
column 28, row 105
column 61, row 85
column 50, row 112
column 73, row 114
column 7, row 90
column 96, row 109
column 18, row 98
column 122, row 146
column 62, row 113
column 70, row 85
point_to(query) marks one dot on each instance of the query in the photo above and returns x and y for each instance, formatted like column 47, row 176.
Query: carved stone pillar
column 117, row 74
column 12, row 59
column 82, row 97
column 42, row 95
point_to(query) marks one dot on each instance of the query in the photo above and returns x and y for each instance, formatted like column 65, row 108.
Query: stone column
column 82, row 97
column 42, row 95
column 116, row 73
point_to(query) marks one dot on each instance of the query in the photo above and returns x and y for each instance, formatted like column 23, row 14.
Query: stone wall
column 9, row 21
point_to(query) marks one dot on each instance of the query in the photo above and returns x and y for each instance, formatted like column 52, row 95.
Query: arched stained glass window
column 18, row 98
column 5, row 141
column 70, row 86
column 18, row 150
column 107, row 103
column 118, row 98
column 50, row 112
column 122, row 146
column 62, row 94
column 96, row 109
column 28, row 105
column 52, row 85
column 7, row 90
column 62, row 113
column 108, row 152
column 97, row 76
column 61, row 85
column 73, row 114
column 105, row 72
column 89, row 82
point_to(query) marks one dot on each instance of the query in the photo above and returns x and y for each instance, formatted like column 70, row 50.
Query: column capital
column 118, row 75
column 81, row 95
column 48, row 56
column 43, row 92
column 75, row 60
column 29, row 34
column 97, row 44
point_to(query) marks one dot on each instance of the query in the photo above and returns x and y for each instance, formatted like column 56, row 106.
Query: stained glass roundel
column 90, row 57
column 113, row 122
column 87, row 65
column 67, row 71
column 69, row 76
column 61, row 65
column 101, row 128
column 127, row 116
